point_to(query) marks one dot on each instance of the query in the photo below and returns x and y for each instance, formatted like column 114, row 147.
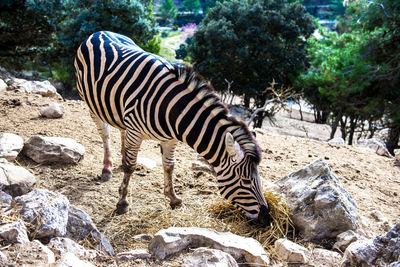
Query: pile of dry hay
column 216, row 213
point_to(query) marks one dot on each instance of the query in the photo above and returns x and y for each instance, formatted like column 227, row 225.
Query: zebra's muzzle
column 264, row 218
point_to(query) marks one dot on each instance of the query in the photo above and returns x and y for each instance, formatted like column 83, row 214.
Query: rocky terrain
column 371, row 180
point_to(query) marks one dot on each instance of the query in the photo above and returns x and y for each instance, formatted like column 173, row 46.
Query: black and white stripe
column 149, row 98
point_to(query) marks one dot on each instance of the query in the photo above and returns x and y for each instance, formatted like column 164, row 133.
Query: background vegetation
column 348, row 71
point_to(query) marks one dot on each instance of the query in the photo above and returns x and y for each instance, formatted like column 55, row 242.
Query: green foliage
column 182, row 51
column 26, row 30
column 167, row 11
column 191, row 6
column 153, row 45
column 252, row 43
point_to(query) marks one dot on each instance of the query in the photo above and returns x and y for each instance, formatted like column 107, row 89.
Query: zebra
column 146, row 97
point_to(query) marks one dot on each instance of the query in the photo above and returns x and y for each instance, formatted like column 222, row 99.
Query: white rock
column 3, row 85
column 15, row 180
column 376, row 145
column 143, row 237
column 133, row 255
column 321, row 207
column 338, row 140
column 206, row 257
column 70, row 260
column 5, row 198
column 324, row 257
column 14, row 232
column 378, row 216
column 175, row 239
column 34, row 254
column 43, row 149
column 62, row 245
column 380, row 251
column 52, row 110
column 80, row 226
column 290, row 251
column 10, row 146
column 46, row 210
column 344, row 239
column 44, row 88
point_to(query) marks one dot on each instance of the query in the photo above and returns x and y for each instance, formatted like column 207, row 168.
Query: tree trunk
column 353, row 124
column 301, row 112
column 335, row 123
column 246, row 100
column 343, row 127
column 259, row 120
column 392, row 142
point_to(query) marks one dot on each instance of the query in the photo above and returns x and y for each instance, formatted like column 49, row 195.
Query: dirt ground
column 372, row 180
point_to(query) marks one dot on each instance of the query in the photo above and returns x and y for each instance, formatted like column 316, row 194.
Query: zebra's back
column 114, row 74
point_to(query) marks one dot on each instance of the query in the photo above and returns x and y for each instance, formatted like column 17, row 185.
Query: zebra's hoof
column 176, row 203
column 106, row 175
column 122, row 208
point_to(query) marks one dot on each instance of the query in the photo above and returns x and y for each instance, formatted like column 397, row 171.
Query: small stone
column 70, row 260
column 148, row 163
column 5, row 198
column 324, row 257
column 62, row 245
column 15, row 180
column 378, row 216
column 143, row 237
column 290, row 251
column 10, row 146
column 338, row 140
column 344, row 239
column 3, row 85
column 206, row 257
column 15, row 232
column 52, row 110
column 133, row 255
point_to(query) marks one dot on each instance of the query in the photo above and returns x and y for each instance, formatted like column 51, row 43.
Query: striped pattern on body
column 149, row 98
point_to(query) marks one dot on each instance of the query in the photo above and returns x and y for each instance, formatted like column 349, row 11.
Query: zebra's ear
column 230, row 145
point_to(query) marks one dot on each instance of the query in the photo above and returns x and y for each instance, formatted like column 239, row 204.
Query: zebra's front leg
column 104, row 131
column 168, row 159
column 132, row 141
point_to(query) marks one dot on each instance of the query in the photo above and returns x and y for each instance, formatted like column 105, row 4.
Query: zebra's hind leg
column 123, row 145
column 132, row 141
column 168, row 159
column 104, row 131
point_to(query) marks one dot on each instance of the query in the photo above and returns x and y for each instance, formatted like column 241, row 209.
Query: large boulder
column 15, row 180
column 43, row 88
column 46, row 211
column 321, row 207
column 80, row 226
column 383, row 250
column 376, row 145
column 43, row 149
column 175, row 239
column 10, row 146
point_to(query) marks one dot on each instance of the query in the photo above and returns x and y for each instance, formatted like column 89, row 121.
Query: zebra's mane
column 203, row 89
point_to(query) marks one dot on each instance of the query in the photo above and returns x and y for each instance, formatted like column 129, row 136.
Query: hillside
column 372, row 180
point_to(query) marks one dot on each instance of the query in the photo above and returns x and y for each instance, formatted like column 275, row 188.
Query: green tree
column 26, row 31
column 383, row 49
column 191, row 6
column 252, row 43
column 167, row 11
column 130, row 18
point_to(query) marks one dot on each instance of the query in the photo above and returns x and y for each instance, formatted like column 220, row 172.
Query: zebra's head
column 239, row 180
